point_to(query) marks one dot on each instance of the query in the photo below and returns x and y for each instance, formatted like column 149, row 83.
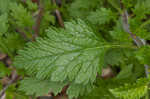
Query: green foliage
column 139, row 26
column 31, row 6
column 12, row 92
column 101, row 16
column 76, row 54
column 78, row 89
column 4, row 6
column 10, row 43
column 143, row 8
column 128, row 3
column 132, row 91
column 113, row 57
column 46, row 21
column 4, row 71
column 25, row 19
column 102, row 87
column 119, row 34
column 40, row 87
column 81, row 8
column 101, row 91
column 143, row 55
column 125, row 72
column 3, row 24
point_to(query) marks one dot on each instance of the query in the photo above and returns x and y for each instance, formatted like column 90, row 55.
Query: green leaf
column 40, row 87
column 101, row 16
column 4, row 6
column 143, row 55
column 132, row 91
column 142, row 8
column 74, row 54
column 47, row 19
column 13, row 41
column 113, row 57
column 81, row 8
column 3, row 24
column 128, row 3
column 101, row 89
column 31, row 5
column 10, row 43
column 21, row 16
column 4, row 71
column 75, row 90
column 12, row 92
column 11, row 95
column 119, row 34
column 125, row 72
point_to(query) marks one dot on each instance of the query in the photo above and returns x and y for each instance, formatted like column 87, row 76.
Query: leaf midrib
column 68, row 52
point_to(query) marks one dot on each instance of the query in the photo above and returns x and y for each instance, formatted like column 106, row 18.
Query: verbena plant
column 97, row 34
